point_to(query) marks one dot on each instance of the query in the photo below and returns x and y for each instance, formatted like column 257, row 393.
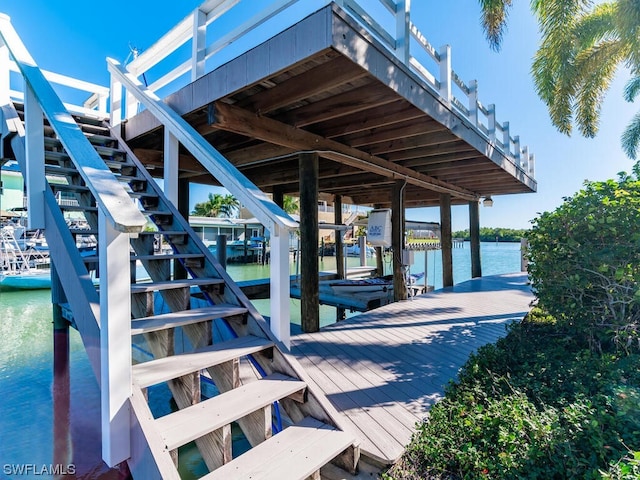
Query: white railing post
column 115, row 341
column 491, row 122
column 102, row 103
column 403, row 30
column 34, row 150
column 280, row 286
column 516, row 149
column 525, row 159
column 116, row 102
column 131, row 106
column 199, row 44
column 532, row 165
column 473, row 102
column 445, row 72
column 506, row 138
column 171, row 146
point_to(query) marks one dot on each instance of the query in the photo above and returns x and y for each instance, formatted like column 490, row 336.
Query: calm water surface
column 27, row 381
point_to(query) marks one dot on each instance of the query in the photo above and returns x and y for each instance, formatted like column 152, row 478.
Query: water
column 27, row 383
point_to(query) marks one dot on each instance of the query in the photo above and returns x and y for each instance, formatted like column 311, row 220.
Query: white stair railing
column 276, row 220
column 118, row 218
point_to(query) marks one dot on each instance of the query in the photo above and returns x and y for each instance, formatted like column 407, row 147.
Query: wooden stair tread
column 295, row 453
column 185, row 317
column 169, row 284
column 184, row 426
column 167, row 368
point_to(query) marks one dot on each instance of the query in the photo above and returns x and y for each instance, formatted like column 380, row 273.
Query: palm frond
column 631, row 137
column 596, row 67
column 628, row 26
column 632, row 88
column 493, row 18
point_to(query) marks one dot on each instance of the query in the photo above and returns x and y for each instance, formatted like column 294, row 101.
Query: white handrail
column 110, row 195
column 265, row 210
column 394, row 41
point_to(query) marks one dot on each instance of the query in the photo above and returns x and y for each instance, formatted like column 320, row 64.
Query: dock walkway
column 384, row 369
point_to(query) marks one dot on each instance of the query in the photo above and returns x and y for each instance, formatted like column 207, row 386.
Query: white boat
column 23, row 266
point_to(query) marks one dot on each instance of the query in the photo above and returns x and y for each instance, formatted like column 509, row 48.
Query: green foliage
column 217, row 205
column 585, row 262
column 582, row 45
column 494, row 234
column 537, row 404
column 290, row 204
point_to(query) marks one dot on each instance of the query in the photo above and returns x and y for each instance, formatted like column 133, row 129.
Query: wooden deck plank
column 405, row 353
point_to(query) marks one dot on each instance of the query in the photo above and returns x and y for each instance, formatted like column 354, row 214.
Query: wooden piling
column 309, row 234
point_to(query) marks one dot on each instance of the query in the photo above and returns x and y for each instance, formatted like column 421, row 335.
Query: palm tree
column 582, row 46
column 290, row 204
column 217, row 205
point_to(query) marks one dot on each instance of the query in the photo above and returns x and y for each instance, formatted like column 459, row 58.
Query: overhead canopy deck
column 326, row 84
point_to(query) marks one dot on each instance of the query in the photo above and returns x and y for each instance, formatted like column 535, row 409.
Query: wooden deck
column 384, row 369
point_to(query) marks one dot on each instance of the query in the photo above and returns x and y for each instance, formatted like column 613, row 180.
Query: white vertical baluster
column 473, row 102
column 171, row 146
column 491, row 122
column 532, row 165
column 280, row 286
column 516, row 149
column 506, row 139
column 525, row 159
column 34, row 149
column 199, row 44
column 445, row 72
column 403, row 32
column 115, row 341
column 116, row 102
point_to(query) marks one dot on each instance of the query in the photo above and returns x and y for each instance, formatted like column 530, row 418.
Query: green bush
column 585, row 262
column 537, row 404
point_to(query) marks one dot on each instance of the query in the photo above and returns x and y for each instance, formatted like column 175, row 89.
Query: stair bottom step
column 295, row 453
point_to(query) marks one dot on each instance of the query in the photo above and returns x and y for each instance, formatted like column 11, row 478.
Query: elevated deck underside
column 384, row 369
column 327, row 85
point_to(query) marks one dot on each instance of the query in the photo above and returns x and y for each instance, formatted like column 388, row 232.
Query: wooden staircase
column 293, row 430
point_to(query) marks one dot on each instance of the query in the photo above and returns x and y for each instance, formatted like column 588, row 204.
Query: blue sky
column 74, row 37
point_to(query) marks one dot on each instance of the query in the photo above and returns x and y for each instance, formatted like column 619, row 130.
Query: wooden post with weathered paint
column 397, row 240
column 474, row 234
column 445, row 72
column 446, row 240
column 115, row 341
column 403, row 32
column 339, row 244
column 309, row 280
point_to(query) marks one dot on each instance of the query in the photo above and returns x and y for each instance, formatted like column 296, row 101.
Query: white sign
column 379, row 228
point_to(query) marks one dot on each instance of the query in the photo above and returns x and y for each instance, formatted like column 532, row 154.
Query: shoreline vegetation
column 488, row 234
column 558, row 396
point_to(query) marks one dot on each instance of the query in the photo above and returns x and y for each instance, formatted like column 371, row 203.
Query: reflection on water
column 28, row 390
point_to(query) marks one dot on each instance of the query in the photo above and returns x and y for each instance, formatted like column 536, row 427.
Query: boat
column 362, row 285
column 23, row 264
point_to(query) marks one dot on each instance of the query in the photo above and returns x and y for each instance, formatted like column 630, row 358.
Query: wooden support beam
column 397, row 240
column 446, row 240
column 316, row 80
column 309, row 279
column 347, row 103
column 238, row 120
column 337, row 218
column 474, row 233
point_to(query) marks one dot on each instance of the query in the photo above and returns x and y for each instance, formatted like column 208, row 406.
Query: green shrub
column 537, row 404
column 585, row 262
